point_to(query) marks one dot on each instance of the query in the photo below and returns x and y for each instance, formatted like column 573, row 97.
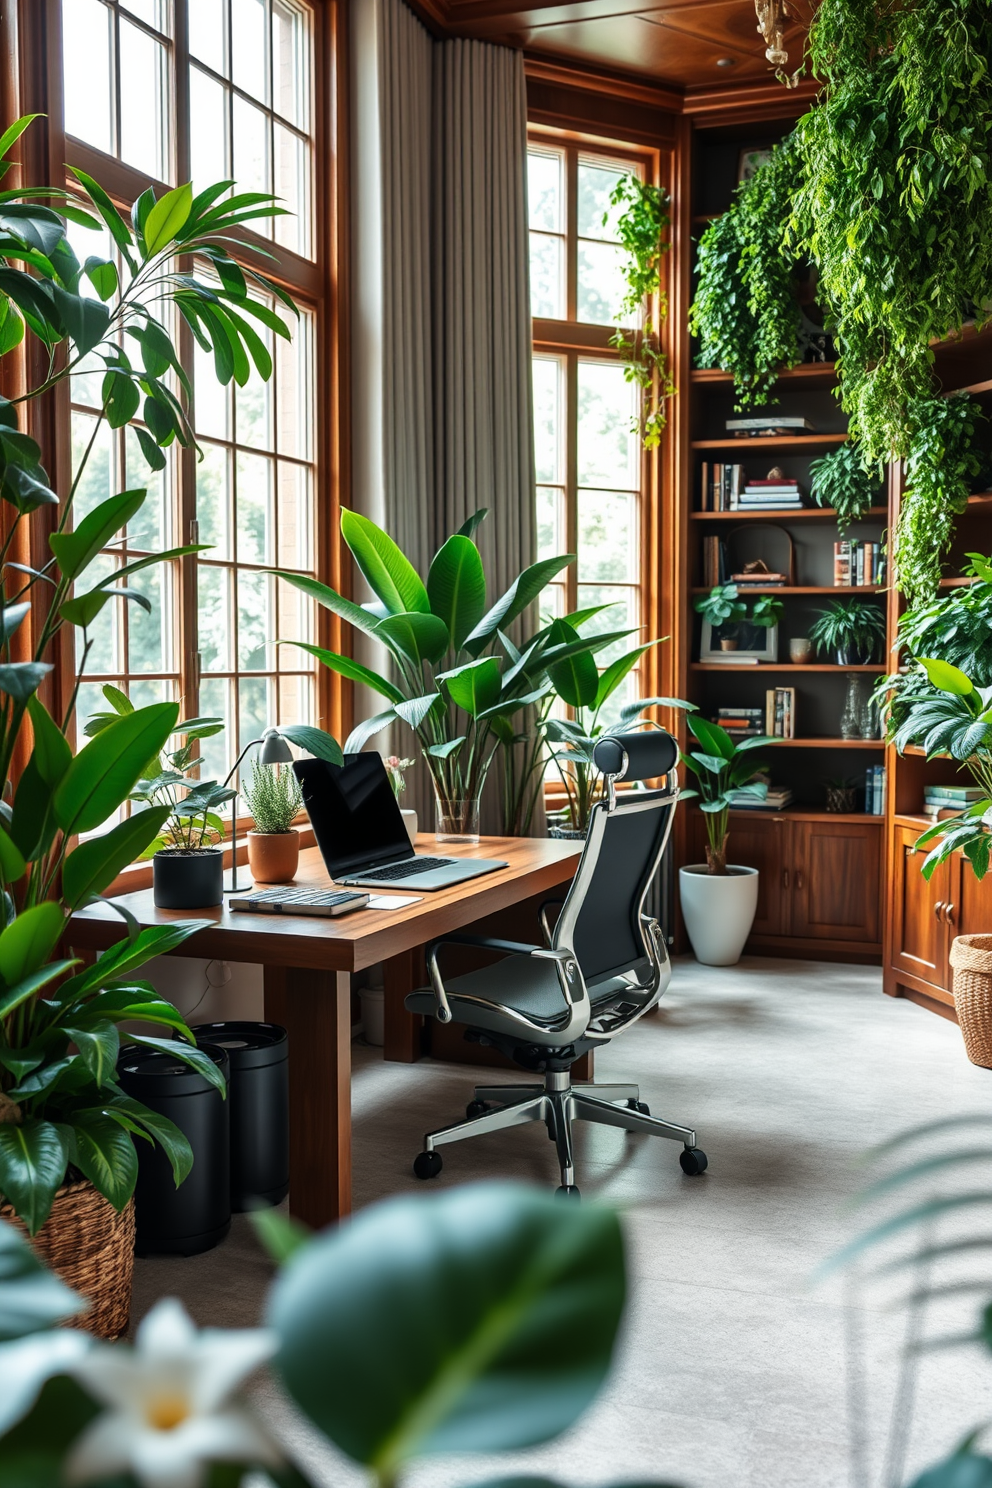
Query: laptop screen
column 354, row 814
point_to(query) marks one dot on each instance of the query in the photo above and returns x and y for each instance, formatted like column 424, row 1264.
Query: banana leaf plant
column 459, row 679
column 723, row 768
column 61, row 1109
column 587, row 691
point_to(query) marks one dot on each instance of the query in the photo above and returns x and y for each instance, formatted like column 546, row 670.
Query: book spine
column 770, row 712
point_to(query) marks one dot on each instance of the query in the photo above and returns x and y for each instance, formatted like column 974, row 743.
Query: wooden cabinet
column 927, row 916
column 819, row 889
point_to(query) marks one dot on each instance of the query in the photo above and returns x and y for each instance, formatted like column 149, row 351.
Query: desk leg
column 315, row 1009
column 400, row 975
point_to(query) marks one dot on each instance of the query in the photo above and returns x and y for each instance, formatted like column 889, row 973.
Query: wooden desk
column 307, row 964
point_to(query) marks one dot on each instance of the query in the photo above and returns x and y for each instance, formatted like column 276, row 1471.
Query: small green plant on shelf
column 939, row 709
column 843, row 481
column 721, row 767
column 840, row 793
column 943, row 465
column 273, row 797
column 957, row 627
column 727, row 612
column 640, row 229
column 850, row 629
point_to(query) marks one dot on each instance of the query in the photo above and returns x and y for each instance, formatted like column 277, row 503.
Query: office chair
column 604, row 967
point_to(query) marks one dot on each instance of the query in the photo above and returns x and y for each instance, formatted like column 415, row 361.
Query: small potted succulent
column 274, row 798
column 851, row 629
column 727, row 612
column 394, row 769
column 841, row 793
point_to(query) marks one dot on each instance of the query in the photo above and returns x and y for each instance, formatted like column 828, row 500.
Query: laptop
column 360, row 831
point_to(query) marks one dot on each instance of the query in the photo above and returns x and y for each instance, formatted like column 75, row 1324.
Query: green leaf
column 363, row 732
column 618, row 670
column 14, row 996
column 713, row 738
column 353, row 670
column 33, row 1159
column 128, row 955
column 115, row 222
column 418, row 636
column 98, row 1048
column 314, row 740
column 76, row 550
column 948, row 678
column 414, row 710
column 105, row 1153
column 51, row 752
column 167, row 218
column 12, row 864
column 32, row 826
column 963, row 1470
column 456, row 587
column 84, row 318
column 575, row 679
column 121, row 397
column 172, row 1141
column 94, row 865
column 11, row 327
column 14, row 131
column 153, row 456
column 475, row 686
column 472, row 524
column 21, row 679
column 278, row 1234
column 522, row 592
column 83, row 610
column 195, row 1058
column 103, row 774
column 31, row 1298
column 102, row 274
column 27, row 943
column 389, row 573
column 331, row 600
column 474, row 1297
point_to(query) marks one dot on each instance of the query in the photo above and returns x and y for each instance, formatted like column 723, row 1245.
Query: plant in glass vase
column 66, row 1127
column 395, row 768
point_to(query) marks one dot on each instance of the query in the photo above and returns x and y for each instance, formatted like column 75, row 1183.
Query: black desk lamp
column 274, row 750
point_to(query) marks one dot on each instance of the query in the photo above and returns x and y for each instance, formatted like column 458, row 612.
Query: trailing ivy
column 842, row 480
column 745, row 311
column 894, row 202
column 941, row 468
column 641, row 231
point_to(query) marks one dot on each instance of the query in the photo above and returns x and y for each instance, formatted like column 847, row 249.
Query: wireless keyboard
column 300, row 902
column 404, row 870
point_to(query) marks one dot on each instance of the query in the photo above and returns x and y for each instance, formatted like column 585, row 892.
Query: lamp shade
column 274, row 750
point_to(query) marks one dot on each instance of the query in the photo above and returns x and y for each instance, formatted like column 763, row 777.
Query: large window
column 207, row 90
column 590, row 467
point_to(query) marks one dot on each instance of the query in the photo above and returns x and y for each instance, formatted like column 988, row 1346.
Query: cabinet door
column 969, row 904
column 920, row 931
column 835, row 880
column 755, row 842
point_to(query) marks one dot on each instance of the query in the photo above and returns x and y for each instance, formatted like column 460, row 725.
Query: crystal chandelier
column 772, row 18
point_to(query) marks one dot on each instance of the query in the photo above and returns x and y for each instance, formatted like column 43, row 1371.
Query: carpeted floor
column 738, row 1368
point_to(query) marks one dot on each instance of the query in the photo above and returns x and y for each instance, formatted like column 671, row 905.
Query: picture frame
column 750, row 161
column 758, row 641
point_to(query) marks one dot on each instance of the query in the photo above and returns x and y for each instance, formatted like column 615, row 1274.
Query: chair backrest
column 601, row 918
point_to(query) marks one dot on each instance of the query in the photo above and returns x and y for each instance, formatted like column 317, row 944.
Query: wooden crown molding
column 765, row 100
column 595, row 80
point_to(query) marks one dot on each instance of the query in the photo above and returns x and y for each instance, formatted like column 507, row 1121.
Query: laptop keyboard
column 404, row 870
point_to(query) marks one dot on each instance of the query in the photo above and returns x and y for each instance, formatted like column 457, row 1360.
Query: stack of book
column 857, row 563
column 777, row 494
column 759, row 580
column 741, row 723
column 714, row 561
column 772, row 424
column 778, row 797
column 721, row 487
column 875, row 790
column 944, row 801
column 780, row 712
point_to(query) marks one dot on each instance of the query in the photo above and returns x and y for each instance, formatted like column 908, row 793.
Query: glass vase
column 457, row 820
column 854, row 707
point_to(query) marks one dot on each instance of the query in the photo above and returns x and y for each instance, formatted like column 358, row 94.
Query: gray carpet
column 737, row 1367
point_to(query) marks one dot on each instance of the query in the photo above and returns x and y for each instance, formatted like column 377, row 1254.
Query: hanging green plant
column 641, row 229
column 843, row 481
column 745, row 312
column 942, row 467
column 893, row 198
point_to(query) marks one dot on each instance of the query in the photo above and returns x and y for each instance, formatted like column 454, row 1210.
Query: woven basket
column 91, row 1247
column 971, row 958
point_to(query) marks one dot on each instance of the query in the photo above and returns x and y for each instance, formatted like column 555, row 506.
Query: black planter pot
column 258, row 1095
column 854, row 655
column 188, row 880
column 197, row 1215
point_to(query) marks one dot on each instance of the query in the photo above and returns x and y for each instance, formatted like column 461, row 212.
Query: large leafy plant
column 641, row 229
column 458, row 679
column 721, row 767
column 957, row 627
column 942, row 465
column 843, row 481
column 61, row 1109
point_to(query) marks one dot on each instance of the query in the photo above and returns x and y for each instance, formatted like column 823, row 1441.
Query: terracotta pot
column 273, row 857
column 728, row 643
column 91, row 1248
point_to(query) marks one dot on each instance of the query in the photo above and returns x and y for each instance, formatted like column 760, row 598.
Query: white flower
column 168, row 1396
column 28, row 1363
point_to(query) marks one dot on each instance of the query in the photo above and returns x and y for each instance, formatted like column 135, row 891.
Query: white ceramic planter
column 410, row 822
column 718, row 910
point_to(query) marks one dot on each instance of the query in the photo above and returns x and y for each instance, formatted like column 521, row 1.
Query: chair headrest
column 641, row 756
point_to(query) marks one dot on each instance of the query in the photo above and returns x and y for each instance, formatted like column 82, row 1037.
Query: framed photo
column 760, row 642
column 749, row 162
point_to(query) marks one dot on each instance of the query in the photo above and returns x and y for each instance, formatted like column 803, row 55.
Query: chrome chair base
column 558, row 1103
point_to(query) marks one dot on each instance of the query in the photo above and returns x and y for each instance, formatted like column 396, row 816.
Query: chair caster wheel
column 427, row 1164
column 693, row 1161
column 567, row 1191
column 641, row 1106
column 475, row 1108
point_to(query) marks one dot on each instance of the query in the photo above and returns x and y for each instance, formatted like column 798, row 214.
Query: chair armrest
column 486, row 942
column 543, row 914
column 570, row 977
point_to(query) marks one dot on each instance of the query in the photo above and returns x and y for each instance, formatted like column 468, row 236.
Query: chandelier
column 772, row 18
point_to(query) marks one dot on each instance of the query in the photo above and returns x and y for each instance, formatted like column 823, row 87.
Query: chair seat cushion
column 523, row 984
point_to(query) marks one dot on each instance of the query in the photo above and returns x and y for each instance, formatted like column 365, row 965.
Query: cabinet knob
column 949, row 913
column 938, row 909
column 799, row 878
column 785, row 878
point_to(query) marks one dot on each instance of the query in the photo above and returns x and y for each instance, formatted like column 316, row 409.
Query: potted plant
column 458, row 679
column 274, row 798
column 841, row 794
column 852, row 629
column 727, row 612
column 67, row 1156
column 394, row 769
column 719, row 900
column 957, row 627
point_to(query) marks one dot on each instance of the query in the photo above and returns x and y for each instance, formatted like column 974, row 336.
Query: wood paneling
column 835, row 881
column 920, row 944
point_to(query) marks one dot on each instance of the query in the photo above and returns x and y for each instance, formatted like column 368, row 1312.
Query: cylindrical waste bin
column 971, row 958
column 258, row 1094
column 197, row 1215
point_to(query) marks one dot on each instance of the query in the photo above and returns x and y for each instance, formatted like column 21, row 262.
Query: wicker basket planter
column 91, row 1247
column 971, row 958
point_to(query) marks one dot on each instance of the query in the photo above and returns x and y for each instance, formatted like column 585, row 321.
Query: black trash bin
column 259, row 1100
column 197, row 1215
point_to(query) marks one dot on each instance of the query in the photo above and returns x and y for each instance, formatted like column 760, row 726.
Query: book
column 942, row 813
column 953, row 792
column 875, row 782
column 733, row 658
column 768, row 488
column 780, row 712
column 779, row 421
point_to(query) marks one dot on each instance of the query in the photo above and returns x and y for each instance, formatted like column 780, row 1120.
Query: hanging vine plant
column 942, row 467
column 745, row 312
column 894, row 202
column 641, row 231
column 843, row 481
